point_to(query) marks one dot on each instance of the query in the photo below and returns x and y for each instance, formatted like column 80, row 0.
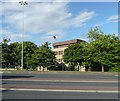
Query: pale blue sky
column 66, row 20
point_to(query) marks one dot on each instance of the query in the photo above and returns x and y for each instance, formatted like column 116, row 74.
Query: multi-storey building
column 59, row 48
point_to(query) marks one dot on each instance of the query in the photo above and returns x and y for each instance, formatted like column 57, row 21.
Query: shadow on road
column 3, row 91
column 11, row 77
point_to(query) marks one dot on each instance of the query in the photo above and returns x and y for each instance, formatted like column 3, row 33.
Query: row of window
column 59, row 60
column 59, row 52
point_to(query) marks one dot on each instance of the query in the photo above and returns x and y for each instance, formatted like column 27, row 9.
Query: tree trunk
column 102, row 68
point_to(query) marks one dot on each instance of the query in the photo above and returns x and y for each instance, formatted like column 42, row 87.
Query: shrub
column 115, row 69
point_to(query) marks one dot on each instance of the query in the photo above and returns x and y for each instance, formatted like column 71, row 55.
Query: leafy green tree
column 101, row 53
column 28, row 50
column 15, row 53
column 95, row 34
column 105, row 48
column 43, row 56
column 88, row 52
column 74, row 54
column 5, row 52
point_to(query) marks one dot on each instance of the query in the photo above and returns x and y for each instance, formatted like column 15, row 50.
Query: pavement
column 59, row 85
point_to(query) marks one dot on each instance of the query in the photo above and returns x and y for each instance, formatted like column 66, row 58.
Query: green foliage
column 103, row 50
column 74, row 54
column 15, row 53
column 115, row 69
column 101, row 53
column 95, row 34
column 28, row 50
column 5, row 52
column 33, row 56
column 106, row 48
column 43, row 56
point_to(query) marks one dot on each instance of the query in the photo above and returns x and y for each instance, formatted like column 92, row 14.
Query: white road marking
column 58, row 80
column 59, row 90
column 116, row 75
column 5, row 72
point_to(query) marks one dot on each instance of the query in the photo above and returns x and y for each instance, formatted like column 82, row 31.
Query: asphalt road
column 59, row 85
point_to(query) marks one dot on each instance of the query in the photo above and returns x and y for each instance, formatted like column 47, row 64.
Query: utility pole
column 23, row 3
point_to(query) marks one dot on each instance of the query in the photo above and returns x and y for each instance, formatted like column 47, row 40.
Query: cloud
column 49, row 36
column 19, row 0
column 37, row 1
column 82, row 18
column 113, row 18
column 99, row 24
column 44, row 18
column 13, row 36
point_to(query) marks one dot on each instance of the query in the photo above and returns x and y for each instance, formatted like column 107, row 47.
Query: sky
column 65, row 20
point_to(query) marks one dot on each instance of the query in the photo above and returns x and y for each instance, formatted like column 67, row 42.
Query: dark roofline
column 68, row 42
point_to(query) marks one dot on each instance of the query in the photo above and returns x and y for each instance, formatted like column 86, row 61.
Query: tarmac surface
column 59, row 85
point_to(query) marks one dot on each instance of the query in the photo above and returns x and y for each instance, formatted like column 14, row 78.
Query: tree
column 105, row 48
column 88, row 52
column 74, row 54
column 101, row 53
column 95, row 34
column 5, row 52
column 28, row 50
column 15, row 53
column 43, row 56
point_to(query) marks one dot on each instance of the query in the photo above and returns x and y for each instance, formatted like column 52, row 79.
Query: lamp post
column 22, row 4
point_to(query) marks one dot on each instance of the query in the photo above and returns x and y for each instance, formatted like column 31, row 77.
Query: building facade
column 59, row 48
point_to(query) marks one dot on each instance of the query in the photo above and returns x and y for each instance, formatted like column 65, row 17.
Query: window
column 59, row 60
column 59, row 52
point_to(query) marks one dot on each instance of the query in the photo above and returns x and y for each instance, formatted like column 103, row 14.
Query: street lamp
column 22, row 4
column 54, row 37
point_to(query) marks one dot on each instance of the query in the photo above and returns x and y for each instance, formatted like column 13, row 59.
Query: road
column 59, row 85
